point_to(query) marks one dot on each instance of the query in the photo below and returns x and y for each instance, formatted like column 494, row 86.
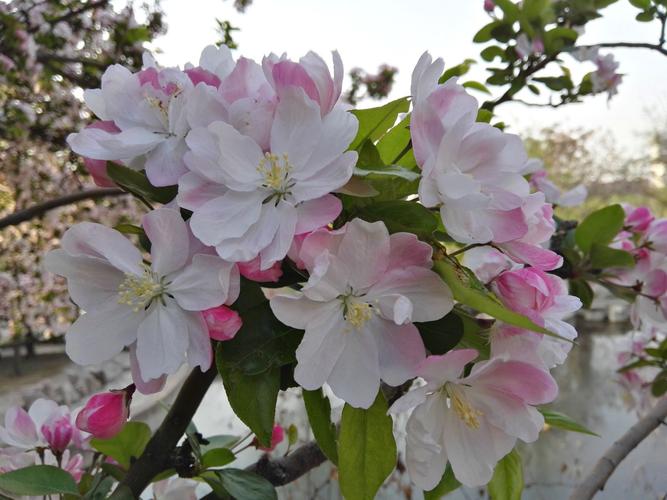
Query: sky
column 371, row 32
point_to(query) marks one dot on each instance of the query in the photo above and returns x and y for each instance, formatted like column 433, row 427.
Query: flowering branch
column 41, row 208
column 155, row 457
column 604, row 468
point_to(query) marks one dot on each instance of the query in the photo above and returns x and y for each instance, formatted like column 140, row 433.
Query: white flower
column 153, row 309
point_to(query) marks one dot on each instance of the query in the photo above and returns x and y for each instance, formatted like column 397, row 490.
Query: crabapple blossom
column 366, row 288
column 552, row 194
column 154, row 310
column 44, row 425
column 487, row 262
column 525, row 47
column 250, row 202
column 277, row 436
column 470, row 421
column 252, row 271
column 222, row 322
column 637, row 219
column 175, row 488
column 105, row 413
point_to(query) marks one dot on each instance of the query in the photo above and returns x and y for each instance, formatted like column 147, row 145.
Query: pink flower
column 98, row 168
column 222, row 322
column 541, row 182
column 105, row 413
column 487, row 262
column 637, row 218
column 251, row 270
column 471, row 421
column 45, row 424
column 540, row 296
column 277, row 436
column 656, row 235
column 365, row 291
column 310, row 74
column 58, row 432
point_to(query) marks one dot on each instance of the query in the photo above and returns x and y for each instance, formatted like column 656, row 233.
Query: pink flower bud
column 489, row 5
column 105, row 414
column 58, row 433
column 638, row 219
column 98, row 168
column 277, row 437
column 252, row 271
column 222, row 322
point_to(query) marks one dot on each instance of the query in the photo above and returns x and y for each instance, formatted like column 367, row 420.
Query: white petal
column 282, row 240
column 162, row 340
column 169, row 238
column 317, row 213
column 101, row 334
column 195, row 190
column 298, row 311
column 199, row 286
column 401, row 350
column 199, row 352
column 239, row 156
column 101, row 145
column 164, row 164
column 365, row 252
column 144, row 386
column 329, row 179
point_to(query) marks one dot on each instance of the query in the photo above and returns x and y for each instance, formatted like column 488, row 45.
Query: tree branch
column 42, row 208
column 80, row 10
column 155, row 457
column 628, row 45
column 597, row 478
column 49, row 57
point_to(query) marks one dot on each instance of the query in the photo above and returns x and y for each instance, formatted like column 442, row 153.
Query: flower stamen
column 139, row 291
column 462, row 407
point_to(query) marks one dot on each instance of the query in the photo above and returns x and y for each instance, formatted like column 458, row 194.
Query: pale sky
column 371, row 32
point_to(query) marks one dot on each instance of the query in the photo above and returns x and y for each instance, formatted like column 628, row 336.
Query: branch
column 596, row 480
column 80, row 10
column 48, row 57
column 628, row 45
column 155, row 457
column 42, row 208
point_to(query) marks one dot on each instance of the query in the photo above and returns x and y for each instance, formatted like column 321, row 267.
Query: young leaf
column 603, row 257
column 252, row 397
column 242, row 484
column 562, row 421
column 393, row 144
column 217, row 458
column 480, row 299
column 599, row 227
column 386, row 171
column 374, row 122
column 137, row 183
column 507, row 481
column 38, row 480
column 129, row 442
column 319, row 416
column 447, row 484
column 366, row 450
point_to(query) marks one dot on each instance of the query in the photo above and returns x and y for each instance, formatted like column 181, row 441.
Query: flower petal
column 169, row 238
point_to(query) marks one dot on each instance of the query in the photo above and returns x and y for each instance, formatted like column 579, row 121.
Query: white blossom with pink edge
column 45, row 425
column 472, row 421
column 366, row 288
column 154, row 310
column 248, row 202
column 175, row 488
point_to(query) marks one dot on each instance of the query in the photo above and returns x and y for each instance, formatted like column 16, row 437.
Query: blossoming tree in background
column 406, row 257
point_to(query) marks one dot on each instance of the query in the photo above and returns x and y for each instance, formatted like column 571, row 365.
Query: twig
column 628, row 45
column 42, row 208
column 597, row 478
column 155, row 457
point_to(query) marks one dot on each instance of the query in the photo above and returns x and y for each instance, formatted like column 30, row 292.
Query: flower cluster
column 257, row 155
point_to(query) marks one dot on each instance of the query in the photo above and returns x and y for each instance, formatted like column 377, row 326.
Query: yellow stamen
column 139, row 291
column 357, row 313
column 275, row 170
column 462, row 407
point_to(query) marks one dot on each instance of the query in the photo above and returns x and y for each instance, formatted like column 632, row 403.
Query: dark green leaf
column 641, row 4
column 441, row 335
column 659, row 385
column 490, row 53
column 484, row 34
column 603, row 257
column 38, row 480
column 644, row 17
column 366, row 450
column 510, row 10
column 507, row 480
column 374, row 122
column 219, row 441
column 252, row 397
column 562, row 421
column 129, row 442
column 599, row 227
column 137, row 183
column 580, row 288
column 319, row 416
column 244, row 485
column 369, row 156
column 401, row 216
column 447, row 484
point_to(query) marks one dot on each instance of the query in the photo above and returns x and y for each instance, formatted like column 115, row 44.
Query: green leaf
column 659, row 385
column 484, row 34
column 641, row 4
column 369, row 156
column 490, row 53
column 471, row 84
column 441, row 335
column 510, row 10
column 467, row 290
column 580, row 288
column 556, row 82
column 217, row 458
column 458, row 70
column 366, row 450
column 137, row 183
column 263, row 342
column 219, row 441
column 386, row 171
column 401, row 216
column 447, row 484
column 319, row 416
column 393, row 144
column 129, row 229
column 645, row 17
column 484, row 115
column 374, row 122
column 599, row 227
column 507, row 480
column 245, row 485
column 603, row 257
column 292, row 435
column 252, row 397
column 38, row 480
column 129, row 442
column 562, row 421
